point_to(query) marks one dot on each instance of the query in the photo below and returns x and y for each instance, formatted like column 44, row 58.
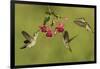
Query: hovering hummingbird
column 82, row 23
column 30, row 41
column 67, row 40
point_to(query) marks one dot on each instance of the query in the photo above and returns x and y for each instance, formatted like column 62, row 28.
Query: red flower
column 43, row 28
column 49, row 33
column 60, row 27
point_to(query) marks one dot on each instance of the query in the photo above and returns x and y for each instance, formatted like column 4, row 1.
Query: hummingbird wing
column 80, row 21
column 72, row 38
column 27, row 36
column 26, row 41
column 65, row 36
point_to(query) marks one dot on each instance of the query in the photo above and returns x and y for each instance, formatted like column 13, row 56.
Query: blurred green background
column 52, row 50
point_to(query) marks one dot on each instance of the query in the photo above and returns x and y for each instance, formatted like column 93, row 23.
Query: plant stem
column 49, row 9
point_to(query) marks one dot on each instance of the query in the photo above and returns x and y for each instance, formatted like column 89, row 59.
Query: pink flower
column 49, row 33
column 43, row 28
column 60, row 27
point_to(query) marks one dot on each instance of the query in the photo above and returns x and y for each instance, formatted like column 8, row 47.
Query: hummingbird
column 82, row 23
column 30, row 41
column 67, row 40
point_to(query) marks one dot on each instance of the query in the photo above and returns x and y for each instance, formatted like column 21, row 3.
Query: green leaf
column 46, row 19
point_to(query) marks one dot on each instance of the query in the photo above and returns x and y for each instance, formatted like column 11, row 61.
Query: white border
column 5, row 34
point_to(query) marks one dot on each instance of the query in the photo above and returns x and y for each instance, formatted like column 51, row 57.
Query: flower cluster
column 49, row 32
column 55, row 26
